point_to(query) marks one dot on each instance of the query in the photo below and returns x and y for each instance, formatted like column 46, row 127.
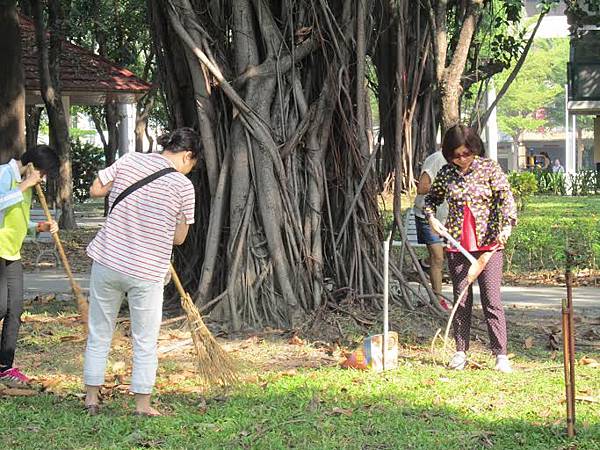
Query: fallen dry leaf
column 72, row 338
column 17, row 392
column 118, row 366
column 340, row 412
column 295, row 340
column 528, row 342
column 314, row 403
column 590, row 362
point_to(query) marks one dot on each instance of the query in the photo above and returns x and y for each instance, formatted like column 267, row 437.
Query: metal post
column 569, row 345
column 386, row 293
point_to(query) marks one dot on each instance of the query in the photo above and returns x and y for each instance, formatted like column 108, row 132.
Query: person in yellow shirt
column 16, row 181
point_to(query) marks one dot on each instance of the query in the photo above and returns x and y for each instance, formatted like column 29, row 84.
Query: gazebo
column 86, row 79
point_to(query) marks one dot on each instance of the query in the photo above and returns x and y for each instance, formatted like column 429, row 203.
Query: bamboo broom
column 82, row 304
column 214, row 364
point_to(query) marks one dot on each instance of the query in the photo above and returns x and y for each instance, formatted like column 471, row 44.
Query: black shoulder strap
column 138, row 184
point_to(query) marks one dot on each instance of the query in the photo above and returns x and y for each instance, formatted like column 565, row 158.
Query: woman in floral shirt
column 481, row 215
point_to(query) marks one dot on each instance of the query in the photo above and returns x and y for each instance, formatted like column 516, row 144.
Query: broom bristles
column 214, row 364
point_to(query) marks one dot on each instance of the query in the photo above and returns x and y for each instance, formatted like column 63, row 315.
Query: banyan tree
column 308, row 110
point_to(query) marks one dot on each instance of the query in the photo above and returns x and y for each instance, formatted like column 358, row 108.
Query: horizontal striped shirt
column 137, row 237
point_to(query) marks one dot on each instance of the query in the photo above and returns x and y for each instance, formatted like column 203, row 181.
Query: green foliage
column 86, row 160
column 539, row 241
column 584, row 182
column 551, row 183
column 523, row 185
column 419, row 406
column 539, row 84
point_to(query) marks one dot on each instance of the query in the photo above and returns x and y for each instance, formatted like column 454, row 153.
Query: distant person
column 557, row 167
column 546, row 161
column 435, row 246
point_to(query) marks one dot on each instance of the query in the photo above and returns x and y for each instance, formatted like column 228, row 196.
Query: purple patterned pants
column 489, row 281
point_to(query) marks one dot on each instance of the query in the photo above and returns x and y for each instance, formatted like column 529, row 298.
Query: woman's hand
column 436, row 225
column 51, row 226
column 504, row 235
column 33, row 177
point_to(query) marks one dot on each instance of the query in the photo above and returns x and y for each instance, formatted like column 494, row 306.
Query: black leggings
column 11, row 307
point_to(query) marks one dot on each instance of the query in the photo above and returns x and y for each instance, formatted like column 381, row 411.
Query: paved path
column 543, row 298
column 52, row 281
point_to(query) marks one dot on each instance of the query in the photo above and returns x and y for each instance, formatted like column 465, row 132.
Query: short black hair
column 43, row 158
column 183, row 139
column 460, row 135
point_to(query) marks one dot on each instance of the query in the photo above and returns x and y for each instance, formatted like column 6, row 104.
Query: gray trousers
column 11, row 308
column 145, row 298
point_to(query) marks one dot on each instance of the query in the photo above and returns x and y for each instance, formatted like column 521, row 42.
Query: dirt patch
column 74, row 243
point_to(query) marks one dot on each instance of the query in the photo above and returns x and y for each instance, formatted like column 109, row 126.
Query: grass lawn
column 291, row 396
column 546, row 225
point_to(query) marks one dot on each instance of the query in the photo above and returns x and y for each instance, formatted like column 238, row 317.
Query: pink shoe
column 444, row 304
column 13, row 375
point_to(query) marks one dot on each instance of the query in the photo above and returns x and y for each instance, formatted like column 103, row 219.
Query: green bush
column 86, row 160
column 550, row 224
column 551, row 183
column 584, row 182
column 523, row 185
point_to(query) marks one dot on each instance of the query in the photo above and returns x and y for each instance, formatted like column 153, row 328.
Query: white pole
column 567, row 140
column 573, row 149
column 386, row 293
column 126, row 128
column 492, row 124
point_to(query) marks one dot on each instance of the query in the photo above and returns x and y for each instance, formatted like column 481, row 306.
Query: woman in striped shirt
column 132, row 253
column 16, row 181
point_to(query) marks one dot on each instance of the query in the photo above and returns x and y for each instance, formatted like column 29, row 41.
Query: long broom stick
column 214, row 364
column 82, row 304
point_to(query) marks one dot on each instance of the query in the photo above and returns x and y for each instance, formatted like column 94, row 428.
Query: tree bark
column 32, row 124
column 12, row 84
column 49, row 66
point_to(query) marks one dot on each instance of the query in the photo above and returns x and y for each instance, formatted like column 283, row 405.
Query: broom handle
column 177, row 281
column 59, row 246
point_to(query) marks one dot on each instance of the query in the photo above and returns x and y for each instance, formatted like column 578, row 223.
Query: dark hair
column 460, row 135
column 43, row 158
column 182, row 140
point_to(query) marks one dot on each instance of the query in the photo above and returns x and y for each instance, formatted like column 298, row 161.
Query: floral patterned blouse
column 484, row 188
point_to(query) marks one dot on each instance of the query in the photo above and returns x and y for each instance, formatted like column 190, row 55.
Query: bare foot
column 149, row 411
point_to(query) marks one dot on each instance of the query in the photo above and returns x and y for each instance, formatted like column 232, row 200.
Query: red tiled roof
column 80, row 69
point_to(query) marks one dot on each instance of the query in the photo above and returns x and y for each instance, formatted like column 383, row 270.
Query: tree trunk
column 142, row 113
column 12, row 84
column 49, row 66
column 291, row 196
column 451, row 55
column 32, row 124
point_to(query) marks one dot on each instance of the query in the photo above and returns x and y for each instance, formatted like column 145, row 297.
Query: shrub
column 523, row 185
column 551, row 183
column 86, row 160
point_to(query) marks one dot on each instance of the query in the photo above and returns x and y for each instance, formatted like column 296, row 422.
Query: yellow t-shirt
column 14, row 226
